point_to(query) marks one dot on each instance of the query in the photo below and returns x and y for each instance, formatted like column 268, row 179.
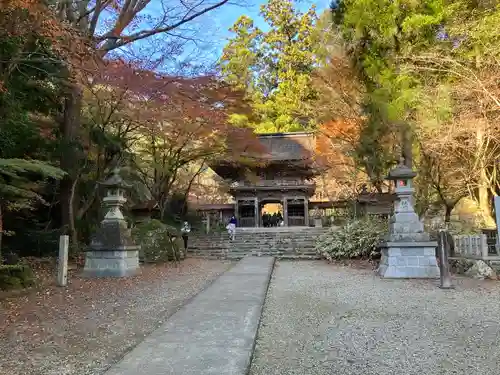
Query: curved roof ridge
column 284, row 134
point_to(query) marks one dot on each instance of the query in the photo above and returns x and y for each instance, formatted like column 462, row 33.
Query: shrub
column 154, row 238
column 16, row 277
column 357, row 238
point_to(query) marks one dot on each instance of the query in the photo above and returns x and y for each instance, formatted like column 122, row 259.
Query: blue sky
column 226, row 16
column 211, row 31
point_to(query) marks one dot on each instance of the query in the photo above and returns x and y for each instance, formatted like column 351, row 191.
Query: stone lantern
column 407, row 252
column 318, row 218
column 112, row 252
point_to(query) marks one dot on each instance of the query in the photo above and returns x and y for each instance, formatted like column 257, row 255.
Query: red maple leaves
column 194, row 107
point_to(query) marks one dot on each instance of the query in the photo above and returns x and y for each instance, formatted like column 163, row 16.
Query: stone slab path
column 213, row 334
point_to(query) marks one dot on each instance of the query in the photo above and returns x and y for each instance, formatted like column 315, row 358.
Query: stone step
column 291, row 243
column 242, row 243
column 256, row 252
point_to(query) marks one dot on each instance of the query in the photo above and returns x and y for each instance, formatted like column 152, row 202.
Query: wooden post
column 62, row 267
column 208, row 222
column 496, row 203
column 443, row 261
column 306, row 211
column 285, row 211
column 256, row 213
column 236, row 212
column 483, row 243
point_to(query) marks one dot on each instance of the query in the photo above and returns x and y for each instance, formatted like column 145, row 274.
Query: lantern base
column 116, row 263
column 408, row 260
column 112, row 252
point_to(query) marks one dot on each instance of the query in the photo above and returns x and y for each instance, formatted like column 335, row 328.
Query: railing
column 491, row 240
column 472, row 246
column 272, row 183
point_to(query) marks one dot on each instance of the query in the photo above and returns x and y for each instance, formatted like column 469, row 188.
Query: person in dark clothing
column 273, row 220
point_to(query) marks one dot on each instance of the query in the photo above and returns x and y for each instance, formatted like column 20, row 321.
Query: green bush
column 156, row 246
column 357, row 238
column 16, row 277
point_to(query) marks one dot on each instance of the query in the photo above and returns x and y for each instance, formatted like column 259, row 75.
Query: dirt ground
column 88, row 325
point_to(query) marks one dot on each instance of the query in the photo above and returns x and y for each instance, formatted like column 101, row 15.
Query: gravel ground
column 82, row 329
column 324, row 319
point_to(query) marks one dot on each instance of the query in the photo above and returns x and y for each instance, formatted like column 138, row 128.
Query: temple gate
column 283, row 174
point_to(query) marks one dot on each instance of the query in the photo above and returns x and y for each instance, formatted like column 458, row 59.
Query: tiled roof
column 287, row 146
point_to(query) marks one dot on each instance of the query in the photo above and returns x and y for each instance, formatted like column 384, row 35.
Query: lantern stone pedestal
column 408, row 252
column 112, row 252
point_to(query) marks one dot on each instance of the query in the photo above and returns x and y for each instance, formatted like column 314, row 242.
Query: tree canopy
column 274, row 66
column 415, row 60
column 374, row 79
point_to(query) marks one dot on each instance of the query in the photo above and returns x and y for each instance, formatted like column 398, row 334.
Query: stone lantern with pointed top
column 112, row 251
column 407, row 252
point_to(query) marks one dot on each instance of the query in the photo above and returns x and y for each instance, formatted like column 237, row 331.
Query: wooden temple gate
column 293, row 200
column 284, row 175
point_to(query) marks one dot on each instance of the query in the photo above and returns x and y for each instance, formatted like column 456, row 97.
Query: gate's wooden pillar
column 306, row 211
column 236, row 212
column 285, row 211
column 257, row 216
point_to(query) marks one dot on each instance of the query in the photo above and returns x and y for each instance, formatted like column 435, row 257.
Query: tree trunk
column 378, row 185
column 72, row 227
column 483, row 195
column 1, row 232
column 447, row 213
column 407, row 145
column 69, row 157
column 483, row 183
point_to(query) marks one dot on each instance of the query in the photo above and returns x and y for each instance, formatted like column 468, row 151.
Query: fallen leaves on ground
column 81, row 328
column 363, row 264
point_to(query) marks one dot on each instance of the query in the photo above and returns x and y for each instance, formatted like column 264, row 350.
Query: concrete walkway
column 214, row 334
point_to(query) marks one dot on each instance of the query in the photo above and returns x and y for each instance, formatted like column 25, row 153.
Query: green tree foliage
column 430, row 69
column 30, row 89
column 17, row 186
column 274, row 67
column 377, row 34
column 20, row 183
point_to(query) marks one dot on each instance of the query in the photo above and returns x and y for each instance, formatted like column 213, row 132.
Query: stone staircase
column 281, row 242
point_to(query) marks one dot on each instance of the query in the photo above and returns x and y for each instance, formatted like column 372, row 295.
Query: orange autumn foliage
column 335, row 145
column 337, row 139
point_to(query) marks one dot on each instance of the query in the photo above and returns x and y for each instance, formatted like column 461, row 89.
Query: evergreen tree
column 274, row 67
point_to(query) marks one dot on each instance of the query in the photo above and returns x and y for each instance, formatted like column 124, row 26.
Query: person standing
column 231, row 228
column 186, row 228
